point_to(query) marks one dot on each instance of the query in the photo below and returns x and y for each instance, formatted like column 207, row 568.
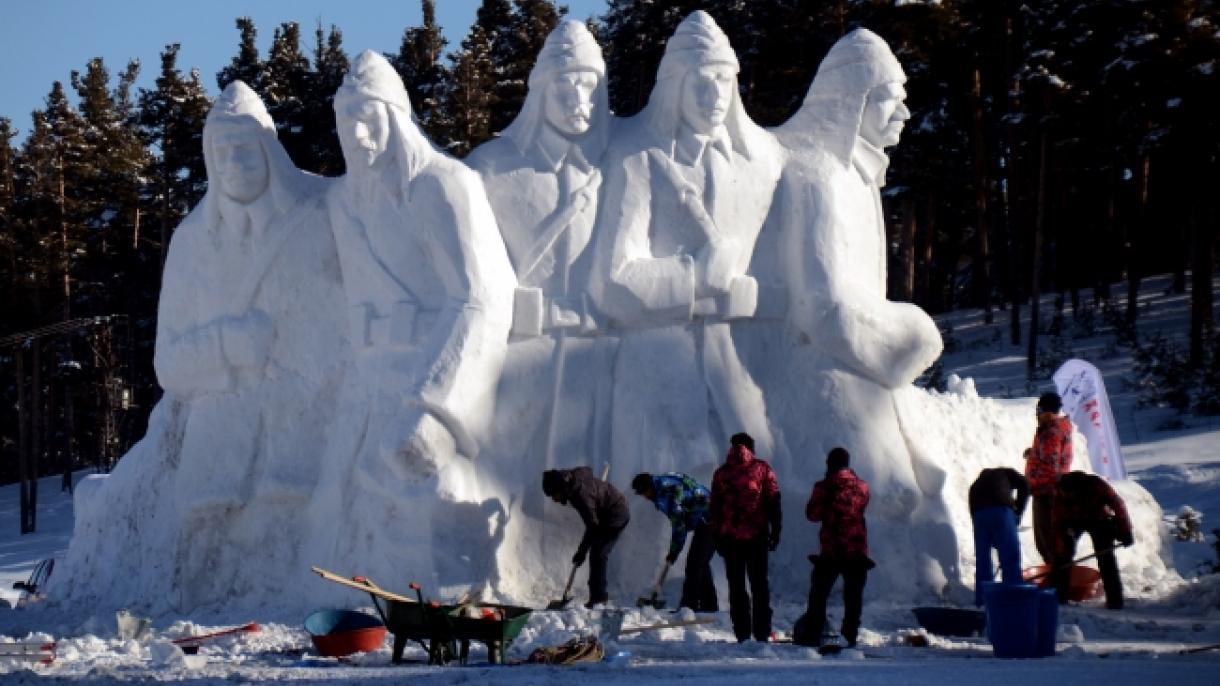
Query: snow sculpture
column 428, row 287
column 542, row 178
column 848, row 345
column 682, row 207
column 250, row 345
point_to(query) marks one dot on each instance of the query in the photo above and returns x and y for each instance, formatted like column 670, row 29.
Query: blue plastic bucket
column 1048, row 621
column 1012, row 619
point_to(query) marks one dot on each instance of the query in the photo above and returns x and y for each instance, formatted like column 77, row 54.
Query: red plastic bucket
column 337, row 633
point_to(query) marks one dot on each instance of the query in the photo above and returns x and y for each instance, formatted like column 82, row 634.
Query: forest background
column 1054, row 147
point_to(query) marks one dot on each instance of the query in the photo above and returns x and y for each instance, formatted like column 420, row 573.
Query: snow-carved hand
column 246, row 341
column 714, row 267
column 918, row 348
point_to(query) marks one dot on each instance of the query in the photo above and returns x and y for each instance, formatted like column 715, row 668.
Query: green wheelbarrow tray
column 445, row 631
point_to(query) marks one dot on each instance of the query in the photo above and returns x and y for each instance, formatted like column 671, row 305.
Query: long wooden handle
column 251, row 627
column 568, row 588
column 1069, row 565
column 362, row 585
column 669, row 625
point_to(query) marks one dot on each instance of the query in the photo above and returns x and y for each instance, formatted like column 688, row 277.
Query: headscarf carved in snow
column 240, row 108
column 570, row 47
column 372, row 78
column 834, row 105
column 698, row 42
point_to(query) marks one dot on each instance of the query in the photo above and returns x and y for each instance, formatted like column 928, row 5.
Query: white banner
column 1085, row 402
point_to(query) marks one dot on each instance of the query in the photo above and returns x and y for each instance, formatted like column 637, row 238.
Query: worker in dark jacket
column 1086, row 503
column 746, row 520
column 838, row 502
column 685, row 502
column 995, row 512
column 604, row 512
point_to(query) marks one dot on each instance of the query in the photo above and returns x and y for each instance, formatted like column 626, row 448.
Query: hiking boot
column 593, row 602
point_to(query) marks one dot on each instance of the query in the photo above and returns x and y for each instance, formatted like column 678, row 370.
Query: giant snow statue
column 428, row 288
column 682, row 206
column 250, row 349
column 847, row 346
column 542, row 178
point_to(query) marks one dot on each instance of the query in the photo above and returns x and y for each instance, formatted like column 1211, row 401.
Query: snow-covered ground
column 1133, row 646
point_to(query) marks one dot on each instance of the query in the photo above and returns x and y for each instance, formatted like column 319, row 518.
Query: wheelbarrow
column 443, row 631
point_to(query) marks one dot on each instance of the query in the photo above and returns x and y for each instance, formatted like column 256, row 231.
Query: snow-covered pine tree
column 287, row 79
column 330, row 64
column 171, row 118
column 469, row 98
column 419, row 63
column 246, row 64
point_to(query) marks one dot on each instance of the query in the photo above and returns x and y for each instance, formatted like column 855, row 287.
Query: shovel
column 655, row 599
column 1069, row 565
column 567, row 593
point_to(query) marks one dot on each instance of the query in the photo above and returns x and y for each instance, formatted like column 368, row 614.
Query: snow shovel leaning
column 655, row 599
column 567, row 592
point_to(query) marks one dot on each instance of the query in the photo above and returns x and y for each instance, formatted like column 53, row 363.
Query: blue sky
column 42, row 41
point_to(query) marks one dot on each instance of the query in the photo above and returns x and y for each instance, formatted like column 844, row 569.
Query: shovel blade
column 558, row 604
column 650, row 601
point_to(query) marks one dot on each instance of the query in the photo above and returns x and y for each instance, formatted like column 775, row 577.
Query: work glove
column 1126, row 538
column 773, row 539
column 579, row 558
column 672, row 557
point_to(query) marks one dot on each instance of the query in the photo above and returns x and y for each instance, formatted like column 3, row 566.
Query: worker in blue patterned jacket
column 685, row 502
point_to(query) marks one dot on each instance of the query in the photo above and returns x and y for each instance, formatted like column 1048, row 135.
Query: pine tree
column 246, row 65
column 287, row 82
column 531, row 22
column 469, row 97
column 171, row 118
column 330, row 64
column 419, row 63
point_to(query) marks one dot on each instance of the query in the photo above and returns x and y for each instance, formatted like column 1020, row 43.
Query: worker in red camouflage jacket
column 1086, row 503
column 745, row 518
column 1049, row 458
column 838, row 502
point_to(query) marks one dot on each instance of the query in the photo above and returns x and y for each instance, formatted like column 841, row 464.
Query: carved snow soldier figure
column 428, row 287
column 250, row 342
column 681, row 210
column 851, row 347
column 542, row 179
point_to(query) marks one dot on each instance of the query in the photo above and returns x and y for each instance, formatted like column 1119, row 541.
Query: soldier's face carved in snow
column 885, row 114
column 707, row 93
column 364, row 133
column 568, row 106
column 241, row 164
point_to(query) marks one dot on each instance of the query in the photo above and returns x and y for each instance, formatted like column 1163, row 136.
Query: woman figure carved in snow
column 850, row 346
column 429, row 288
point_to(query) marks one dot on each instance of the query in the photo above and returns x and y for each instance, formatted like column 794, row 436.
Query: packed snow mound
column 370, row 373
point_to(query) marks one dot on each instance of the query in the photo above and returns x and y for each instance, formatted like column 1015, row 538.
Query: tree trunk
column 908, row 248
column 30, row 484
column 1133, row 266
column 981, row 278
column 1202, row 300
column 1035, row 285
column 23, row 436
